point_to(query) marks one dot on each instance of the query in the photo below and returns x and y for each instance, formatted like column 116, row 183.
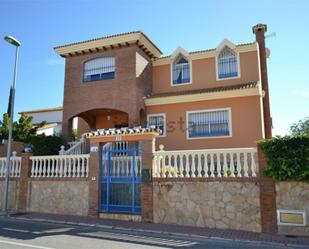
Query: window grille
column 158, row 121
column 99, row 69
column 227, row 63
column 208, row 124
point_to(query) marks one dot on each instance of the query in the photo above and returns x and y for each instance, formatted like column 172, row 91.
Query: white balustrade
column 76, row 148
column 236, row 162
column 60, row 166
column 15, row 166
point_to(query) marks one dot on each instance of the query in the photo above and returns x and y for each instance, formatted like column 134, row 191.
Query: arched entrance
column 101, row 119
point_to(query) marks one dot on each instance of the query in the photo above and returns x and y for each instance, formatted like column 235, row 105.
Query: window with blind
column 227, row 63
column 99, row 69
column 210, row 123
column 181, row 71
column 157, row 120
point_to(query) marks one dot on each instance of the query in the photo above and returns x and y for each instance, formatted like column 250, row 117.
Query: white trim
column 178, row 51
column 303, row 213
column 225, row 42
column 184, row 53
column 198, row 55
column 156, row 115
column 261, row 91
column 238, row 66
column 202, row 96
column 229, row 109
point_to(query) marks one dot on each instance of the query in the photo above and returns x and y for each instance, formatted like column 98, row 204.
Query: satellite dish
column 267, row 51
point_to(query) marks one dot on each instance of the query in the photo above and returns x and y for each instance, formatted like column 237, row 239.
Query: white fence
column 15, row 166
column 238, row 162
column 60, row 166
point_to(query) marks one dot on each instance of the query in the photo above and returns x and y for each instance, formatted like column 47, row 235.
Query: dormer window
column 99, row 69
column 181, row 71
column 227, row 63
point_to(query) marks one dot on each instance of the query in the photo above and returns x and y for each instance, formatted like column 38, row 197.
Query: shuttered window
column 181, row 71
column 227, row 63
column 209, row 123
column 99, row 69
column 158, row 120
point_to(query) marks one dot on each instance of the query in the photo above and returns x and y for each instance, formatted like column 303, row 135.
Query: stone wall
column 293, row 196
column 58, row 197
column 13, row 186
column 213, row 204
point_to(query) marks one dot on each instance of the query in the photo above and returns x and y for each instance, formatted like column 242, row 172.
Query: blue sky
column 41, row 25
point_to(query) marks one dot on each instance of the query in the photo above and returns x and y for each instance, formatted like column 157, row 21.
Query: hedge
column 287, row 157
column 45, row 145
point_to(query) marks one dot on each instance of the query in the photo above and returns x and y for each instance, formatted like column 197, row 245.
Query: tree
column 23, row 129
column 4, row 126
column 300, row 128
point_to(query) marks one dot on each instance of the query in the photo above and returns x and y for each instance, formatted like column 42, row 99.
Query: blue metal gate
column 120, row 181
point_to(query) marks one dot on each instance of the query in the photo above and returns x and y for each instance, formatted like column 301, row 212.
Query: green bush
column 287, row 157
column 45, row 145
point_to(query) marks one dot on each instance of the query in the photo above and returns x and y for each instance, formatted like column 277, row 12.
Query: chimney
column 259, row 30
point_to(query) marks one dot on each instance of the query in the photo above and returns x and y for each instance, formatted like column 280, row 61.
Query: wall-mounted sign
column 291, row 217
column 94, row 148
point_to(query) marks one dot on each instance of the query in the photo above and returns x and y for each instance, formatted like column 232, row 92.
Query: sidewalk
column 167, row 229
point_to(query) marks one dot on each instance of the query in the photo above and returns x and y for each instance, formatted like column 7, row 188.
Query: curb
column 117, row 228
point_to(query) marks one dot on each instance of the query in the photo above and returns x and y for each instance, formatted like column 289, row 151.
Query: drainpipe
column 259, row 30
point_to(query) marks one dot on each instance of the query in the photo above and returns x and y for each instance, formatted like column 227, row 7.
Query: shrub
column 287, row 157
column 45, row 145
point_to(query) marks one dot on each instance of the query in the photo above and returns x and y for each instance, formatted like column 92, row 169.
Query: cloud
column 54, row 62
column 302, row 93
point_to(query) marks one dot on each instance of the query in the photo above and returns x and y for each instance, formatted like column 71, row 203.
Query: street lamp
column 16, row 43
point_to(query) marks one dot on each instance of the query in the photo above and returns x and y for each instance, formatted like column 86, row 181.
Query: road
column 21, row 234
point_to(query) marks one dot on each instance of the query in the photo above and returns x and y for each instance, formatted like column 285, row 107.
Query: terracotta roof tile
column 208, row 90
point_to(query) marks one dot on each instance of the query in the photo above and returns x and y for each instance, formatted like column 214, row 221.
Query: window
column 227, row 63
column 210, row 123
column 181, row 71
column 157, row 120
column 99, row 69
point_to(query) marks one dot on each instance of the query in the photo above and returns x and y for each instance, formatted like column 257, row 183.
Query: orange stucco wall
column 246, row 124
column 204, row 74
column 104, row 122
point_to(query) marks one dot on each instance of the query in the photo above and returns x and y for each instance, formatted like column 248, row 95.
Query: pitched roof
column 54, row 109
column 207, row 90
column 134, row 37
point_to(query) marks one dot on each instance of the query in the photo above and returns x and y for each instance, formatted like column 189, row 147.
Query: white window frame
column 303, row 213
column 229, row 109
column 164, row 119
column 95, row 58
column 238, row 65
column 180, row 52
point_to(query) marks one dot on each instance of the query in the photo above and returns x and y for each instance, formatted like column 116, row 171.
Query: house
column 52, row 117
column 214, row 98
column 185, row 152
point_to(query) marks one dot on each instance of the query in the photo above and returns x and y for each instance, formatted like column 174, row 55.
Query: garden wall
column 13, row 186
column 58, row 197
column 292, row 195
column 213, row 204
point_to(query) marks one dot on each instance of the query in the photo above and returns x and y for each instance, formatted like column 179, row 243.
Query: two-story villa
column 215, row 98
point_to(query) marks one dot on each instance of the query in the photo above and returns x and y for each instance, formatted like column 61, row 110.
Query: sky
column 40, row 25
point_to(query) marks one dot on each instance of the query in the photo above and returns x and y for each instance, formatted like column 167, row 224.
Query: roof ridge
column 209, row 50
column 99, row 38
column 251, row 84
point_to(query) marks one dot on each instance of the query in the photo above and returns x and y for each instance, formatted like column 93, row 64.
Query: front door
column 120, row 181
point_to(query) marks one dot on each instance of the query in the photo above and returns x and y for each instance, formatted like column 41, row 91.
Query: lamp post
column 15, row 43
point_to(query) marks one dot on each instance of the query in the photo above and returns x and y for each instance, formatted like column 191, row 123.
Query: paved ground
column 26, row 234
